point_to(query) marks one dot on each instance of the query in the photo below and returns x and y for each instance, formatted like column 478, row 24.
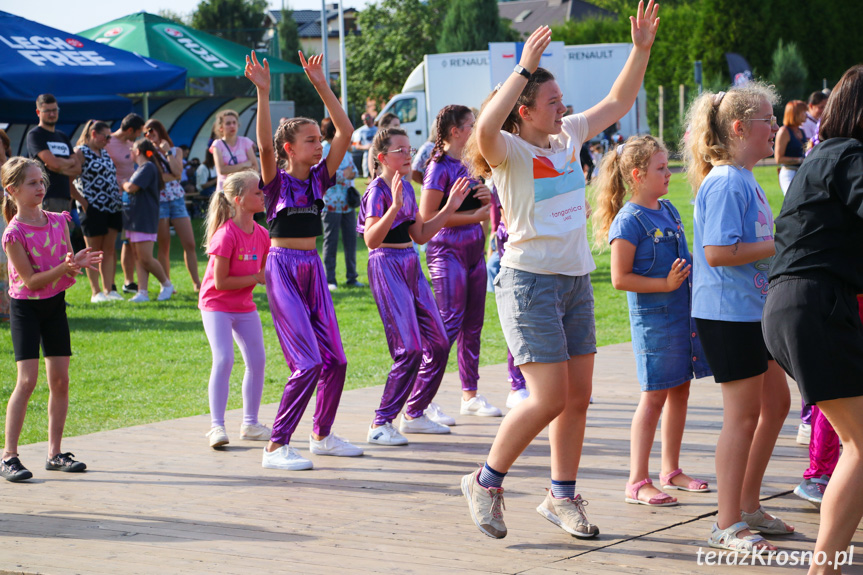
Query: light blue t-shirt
column 730, row 207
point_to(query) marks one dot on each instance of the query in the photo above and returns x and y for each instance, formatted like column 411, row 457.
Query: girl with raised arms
column 543, row 290
column 650, row 261
column 389, row 220
column 455, row 255
column 294, row 178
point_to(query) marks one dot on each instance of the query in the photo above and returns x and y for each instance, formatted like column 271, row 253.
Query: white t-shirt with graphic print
column 542, row 194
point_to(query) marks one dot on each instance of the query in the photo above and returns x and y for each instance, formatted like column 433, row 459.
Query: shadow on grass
column 131, row 324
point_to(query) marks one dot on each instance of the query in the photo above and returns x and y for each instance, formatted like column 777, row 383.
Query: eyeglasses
column 408, row 151
column 771, row 119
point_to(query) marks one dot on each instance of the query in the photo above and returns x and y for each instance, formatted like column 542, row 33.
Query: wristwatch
column 521, row 71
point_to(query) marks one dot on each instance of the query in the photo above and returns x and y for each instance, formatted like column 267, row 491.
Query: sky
column 79, row 15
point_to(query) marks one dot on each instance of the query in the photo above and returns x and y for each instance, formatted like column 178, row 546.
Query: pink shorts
column 137, row 237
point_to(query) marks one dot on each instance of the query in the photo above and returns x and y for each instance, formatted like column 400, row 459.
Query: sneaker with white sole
column 285, row 457
column 386, row 434
column 140, row 297
column 255, row 432
column 812, row 490
column 422, row 424
column 436, row 414
column 478, row 405
column 114, row 296
column 568, row 514
column 334, row 445
column 99, row 298
column 218, row 436
column 804, row 433
column 517, row 396
column 485, row 506
column 165, row 293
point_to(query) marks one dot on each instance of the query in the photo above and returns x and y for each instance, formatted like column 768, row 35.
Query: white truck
column 466, row 78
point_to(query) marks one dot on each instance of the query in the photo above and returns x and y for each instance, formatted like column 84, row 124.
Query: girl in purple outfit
column 455, row 255
column 389, row 220
column 300, row 302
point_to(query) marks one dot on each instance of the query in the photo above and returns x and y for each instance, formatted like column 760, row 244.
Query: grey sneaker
column 812, row 490
column 485, row 506
column 569, row 515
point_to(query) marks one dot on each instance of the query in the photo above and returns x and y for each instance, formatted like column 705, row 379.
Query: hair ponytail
column 381, row 143
column 148, row 149
column 222, row 207
column 615, row 177
column 708, row 140
column 12, row 174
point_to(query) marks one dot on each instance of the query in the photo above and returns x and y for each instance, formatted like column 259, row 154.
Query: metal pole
column 682, row 90
column 661, row 113
column 325, row 36
column 342, row 66
column 146, row 106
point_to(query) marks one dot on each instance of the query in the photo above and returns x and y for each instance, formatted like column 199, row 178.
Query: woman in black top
column 811, row 322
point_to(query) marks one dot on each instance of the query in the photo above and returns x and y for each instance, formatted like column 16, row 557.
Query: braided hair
column 448, row 118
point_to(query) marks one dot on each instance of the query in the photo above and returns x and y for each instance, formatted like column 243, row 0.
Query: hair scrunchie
column 717, row 99
column 620, row 148
column 148, row 153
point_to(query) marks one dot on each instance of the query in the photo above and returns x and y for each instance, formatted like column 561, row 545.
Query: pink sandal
column 695, row 485
column 658, row 500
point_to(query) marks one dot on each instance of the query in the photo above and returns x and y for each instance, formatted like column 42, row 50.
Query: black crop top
column 298, row 222
column 399, row 234
column 470, row 202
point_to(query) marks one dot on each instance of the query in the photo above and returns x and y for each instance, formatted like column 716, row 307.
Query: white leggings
column 247, row 331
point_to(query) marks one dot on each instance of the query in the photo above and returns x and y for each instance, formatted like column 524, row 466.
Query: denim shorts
column 545, row 318
column 173, row 209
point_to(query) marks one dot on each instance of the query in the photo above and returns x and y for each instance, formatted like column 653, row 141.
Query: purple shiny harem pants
column 456, row 262
column 415, row 334
column 306, row 325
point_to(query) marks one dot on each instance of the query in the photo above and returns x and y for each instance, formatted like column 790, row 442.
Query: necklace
column 40, row 220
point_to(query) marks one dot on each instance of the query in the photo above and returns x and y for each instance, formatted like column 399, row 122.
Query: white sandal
column 728, row 539
column 758, row 522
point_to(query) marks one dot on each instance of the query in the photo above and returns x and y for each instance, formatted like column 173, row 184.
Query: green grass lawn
column 135, row 364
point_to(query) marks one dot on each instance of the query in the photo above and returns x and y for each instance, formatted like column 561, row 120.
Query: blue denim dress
column 666, row 345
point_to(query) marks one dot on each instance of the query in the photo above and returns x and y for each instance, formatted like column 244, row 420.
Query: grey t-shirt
column 141, row 213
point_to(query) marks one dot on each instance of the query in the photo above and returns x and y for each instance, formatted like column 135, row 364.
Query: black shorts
column 812, row 327
column 734, row 350
column 35, row 321
column 95, row 222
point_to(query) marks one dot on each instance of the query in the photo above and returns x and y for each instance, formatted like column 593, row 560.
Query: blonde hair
column 13, row 174
column 710, row 118
column 222, row 207
column 615, row 177
column 220, row 121
column 286, row 134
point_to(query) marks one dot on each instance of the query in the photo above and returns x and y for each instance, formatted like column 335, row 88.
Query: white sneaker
column 332, row 287
column 516, row 397
column 140, row 297
column 386, row 434
column 804, row 433
column 166, row 292
column 478, row 405
column 333, row 445
column 422, row 424
column 255, row 432
column 114, row 296
column 99, row 298
column 436, row 414
column 218, row 436
column 285, row 457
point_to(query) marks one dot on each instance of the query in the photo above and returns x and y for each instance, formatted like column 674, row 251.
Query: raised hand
column 534, row 46
column 398, row 196
column 644, row 25
column 257, row 73
column 457, row 194
column 679, row 272
column 314, row 70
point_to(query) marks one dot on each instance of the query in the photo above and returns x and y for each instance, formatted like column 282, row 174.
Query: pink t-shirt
column 46, row 248
column 232, row 156
column 245, row 252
